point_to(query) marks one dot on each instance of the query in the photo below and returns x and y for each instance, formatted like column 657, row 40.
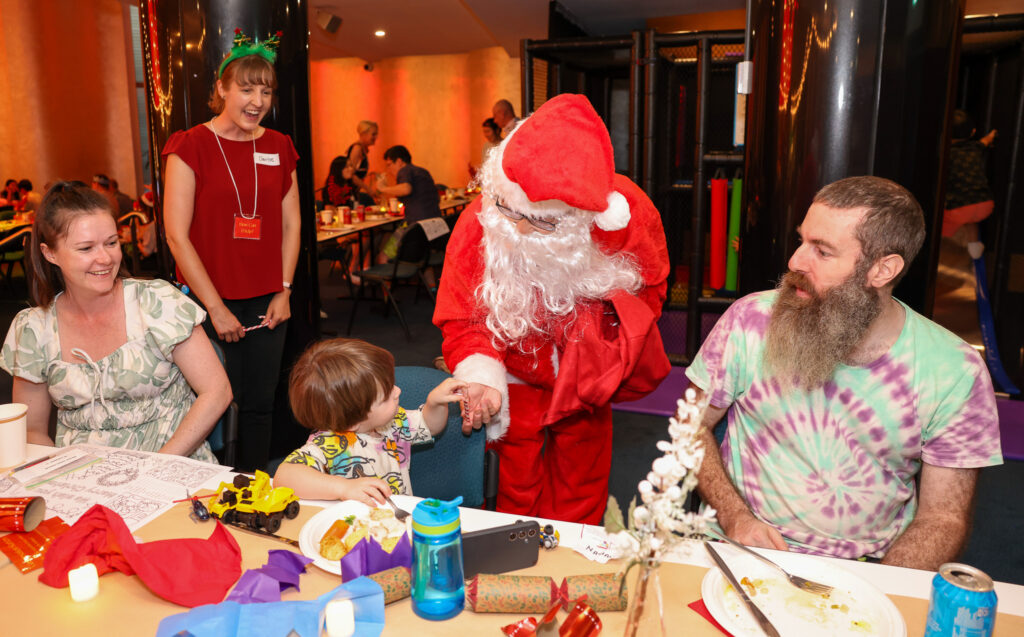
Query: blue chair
column 224, row 437
column 454, row 464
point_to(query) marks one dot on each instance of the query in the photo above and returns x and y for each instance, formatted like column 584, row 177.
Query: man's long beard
column 532, row 280
column 807, row 338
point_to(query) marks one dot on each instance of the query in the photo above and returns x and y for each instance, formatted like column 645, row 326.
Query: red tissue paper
column 189, row 572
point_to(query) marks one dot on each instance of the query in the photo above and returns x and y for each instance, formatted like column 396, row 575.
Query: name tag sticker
column 247, row 228
column 267, row 159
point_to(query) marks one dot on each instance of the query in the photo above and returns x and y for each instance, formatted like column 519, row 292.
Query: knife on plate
column 766, row 625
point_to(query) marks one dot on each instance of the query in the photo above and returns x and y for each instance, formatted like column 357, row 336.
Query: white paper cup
column 13, row 434
column 326, row 217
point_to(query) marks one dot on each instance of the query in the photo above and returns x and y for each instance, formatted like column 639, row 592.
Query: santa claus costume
column 561, row 322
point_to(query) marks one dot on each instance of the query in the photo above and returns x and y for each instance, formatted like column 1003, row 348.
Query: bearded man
column 856, row 426
column 553, row 284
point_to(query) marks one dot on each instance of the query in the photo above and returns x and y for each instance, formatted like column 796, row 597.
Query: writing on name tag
column 267, row 159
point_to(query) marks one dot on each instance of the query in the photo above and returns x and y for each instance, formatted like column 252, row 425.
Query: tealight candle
column 340, row 618
column 84, row 582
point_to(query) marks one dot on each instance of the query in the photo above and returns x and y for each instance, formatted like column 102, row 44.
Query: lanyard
column 256, row 175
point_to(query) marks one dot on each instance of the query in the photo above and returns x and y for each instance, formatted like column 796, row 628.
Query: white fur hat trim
column 616, row 215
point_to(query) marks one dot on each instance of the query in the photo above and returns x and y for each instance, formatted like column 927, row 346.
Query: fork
column 803, row 584
column 402, row 514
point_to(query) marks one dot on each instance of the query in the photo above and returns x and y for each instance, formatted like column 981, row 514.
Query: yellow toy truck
column 253, row 502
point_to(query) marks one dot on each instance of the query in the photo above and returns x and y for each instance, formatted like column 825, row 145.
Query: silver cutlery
column 400, row 514
column 802, row 583
column 762, row 621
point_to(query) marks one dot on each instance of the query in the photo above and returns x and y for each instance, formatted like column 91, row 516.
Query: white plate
column 792, row 611
column 312, row 531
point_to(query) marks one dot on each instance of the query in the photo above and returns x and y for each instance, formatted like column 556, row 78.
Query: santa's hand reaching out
column 481, row 403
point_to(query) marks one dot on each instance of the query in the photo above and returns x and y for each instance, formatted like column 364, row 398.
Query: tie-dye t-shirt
column 364, row 455
column 833, row 469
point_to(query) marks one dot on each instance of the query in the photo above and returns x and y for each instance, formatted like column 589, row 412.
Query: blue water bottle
column 438, row 591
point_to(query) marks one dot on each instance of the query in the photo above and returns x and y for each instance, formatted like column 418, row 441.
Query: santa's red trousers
column 559, row 471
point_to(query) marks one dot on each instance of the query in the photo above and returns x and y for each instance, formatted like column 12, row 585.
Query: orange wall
column 66, row 106
column 431, row 104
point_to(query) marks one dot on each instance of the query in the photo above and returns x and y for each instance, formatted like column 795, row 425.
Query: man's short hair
column 398, row 152
column 505, row 106
column 25, row 185
column 336, row 381
column 893, row 222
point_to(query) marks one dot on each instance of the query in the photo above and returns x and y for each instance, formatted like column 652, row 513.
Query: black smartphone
column 500, row 549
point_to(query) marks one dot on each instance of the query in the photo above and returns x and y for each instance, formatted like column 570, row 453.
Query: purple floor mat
column 662, row 402
column 1011, row 428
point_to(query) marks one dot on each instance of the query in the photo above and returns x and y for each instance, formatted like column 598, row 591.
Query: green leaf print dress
column 133, row 398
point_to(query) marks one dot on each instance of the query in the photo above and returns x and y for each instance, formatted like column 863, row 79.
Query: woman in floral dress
column 124, row 360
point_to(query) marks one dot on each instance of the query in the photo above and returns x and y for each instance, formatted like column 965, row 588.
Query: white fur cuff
column 478, row 368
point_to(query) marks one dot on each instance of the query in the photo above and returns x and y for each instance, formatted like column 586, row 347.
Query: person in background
column 358, row 158
column 492, row 137
column 856, row 427
column 29, row 200
column 125, row 204
column 412, row 185
column 10, row 194
column 553, row 283
column 338, row 190
column 344, row 390
column 968, row 196
column 504, row 116
column 415, row 189
column 101, row 184
column 124, row 360
column 231, row 211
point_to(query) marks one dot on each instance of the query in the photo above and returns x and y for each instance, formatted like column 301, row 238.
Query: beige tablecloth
column 125, row 606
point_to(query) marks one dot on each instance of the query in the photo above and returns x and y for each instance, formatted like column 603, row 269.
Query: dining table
column 125, row 606
column 376, row 219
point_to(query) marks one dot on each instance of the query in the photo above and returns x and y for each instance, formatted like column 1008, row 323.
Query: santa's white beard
column 531, row 280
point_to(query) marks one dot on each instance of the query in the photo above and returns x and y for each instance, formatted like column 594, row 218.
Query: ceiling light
column 379, row 33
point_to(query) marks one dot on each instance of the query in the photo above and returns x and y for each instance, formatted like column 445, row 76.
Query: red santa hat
column 562, row 152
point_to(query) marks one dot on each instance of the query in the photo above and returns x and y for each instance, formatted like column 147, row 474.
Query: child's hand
column 449, row 391
column 369, row 491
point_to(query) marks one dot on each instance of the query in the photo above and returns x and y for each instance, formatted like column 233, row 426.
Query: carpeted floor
column 994, row 545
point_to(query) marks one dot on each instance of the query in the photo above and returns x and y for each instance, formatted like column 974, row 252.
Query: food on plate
column 835, row 613
column 331, row 545
column 379, row 524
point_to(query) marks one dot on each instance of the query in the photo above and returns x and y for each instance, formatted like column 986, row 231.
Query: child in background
column 968, row 196
column 344, row 390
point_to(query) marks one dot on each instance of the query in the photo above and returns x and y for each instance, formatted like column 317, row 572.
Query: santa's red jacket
column 604, row 356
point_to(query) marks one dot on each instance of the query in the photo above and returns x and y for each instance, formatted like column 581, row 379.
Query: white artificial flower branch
column 660, row 522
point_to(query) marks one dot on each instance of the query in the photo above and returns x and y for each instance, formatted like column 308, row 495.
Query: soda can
column 963, row 602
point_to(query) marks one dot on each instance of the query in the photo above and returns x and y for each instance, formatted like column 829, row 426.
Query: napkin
column 265, row 584
column 368, row 557
column 231, row 619
column 189, row 572
column 702, row 610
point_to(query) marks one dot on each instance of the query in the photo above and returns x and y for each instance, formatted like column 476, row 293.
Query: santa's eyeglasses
column 514, row 215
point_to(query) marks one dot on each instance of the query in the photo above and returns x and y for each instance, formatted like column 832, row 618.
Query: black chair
column 12, row 252
column 408, row 265
column 453, row 464
column 438, row 252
